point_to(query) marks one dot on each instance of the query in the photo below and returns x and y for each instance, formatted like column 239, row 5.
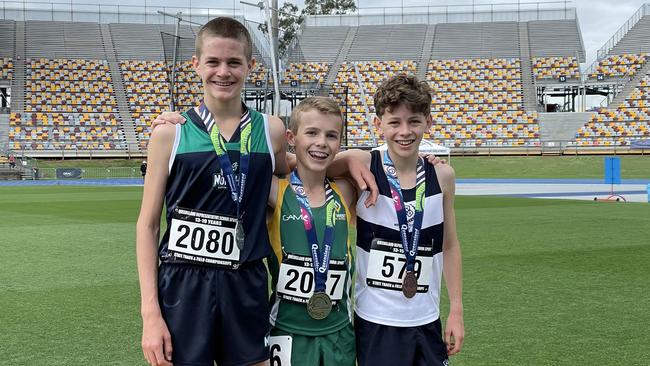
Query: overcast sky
column 599, row 19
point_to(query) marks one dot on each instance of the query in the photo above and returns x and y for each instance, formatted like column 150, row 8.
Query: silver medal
column 239, row 234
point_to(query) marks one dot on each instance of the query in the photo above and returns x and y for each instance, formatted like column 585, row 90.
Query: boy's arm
column 156, row 339
column 452, row 267
column 273, row 193
column 279, row 141
column 350, row 195
column 355, row 163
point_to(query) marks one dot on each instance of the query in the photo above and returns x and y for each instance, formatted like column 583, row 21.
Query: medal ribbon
column 245, row 127
column 420, row 187
column 320, row 259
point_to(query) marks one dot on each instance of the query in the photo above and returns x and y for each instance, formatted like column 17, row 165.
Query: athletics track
column 633, row 190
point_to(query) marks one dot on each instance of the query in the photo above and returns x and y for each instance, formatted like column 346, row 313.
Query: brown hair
column 323, row 105
column 403, row 89
column 227, row 28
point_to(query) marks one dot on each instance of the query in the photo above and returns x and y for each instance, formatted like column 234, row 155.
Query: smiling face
column 223, row 68
column 403, row 130
column 317, row 139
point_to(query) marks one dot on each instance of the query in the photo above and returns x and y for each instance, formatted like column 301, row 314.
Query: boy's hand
column 365, row 180
column 167, row 117
column 156, row 342
column 454, row 333
column 432, row 159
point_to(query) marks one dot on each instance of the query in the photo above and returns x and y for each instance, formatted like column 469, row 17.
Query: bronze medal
column 409, row 285
column 319, row 306
column 239, row 234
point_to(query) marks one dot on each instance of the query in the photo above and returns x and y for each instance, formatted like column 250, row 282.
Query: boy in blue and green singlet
column 204, row 285
column 312, row 265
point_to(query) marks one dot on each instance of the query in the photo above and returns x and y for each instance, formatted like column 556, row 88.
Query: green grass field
column 546, row 282
column 632, row 166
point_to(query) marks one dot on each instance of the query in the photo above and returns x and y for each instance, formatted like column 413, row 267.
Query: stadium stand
column 619, row 127
column 83, row 86
column 624, row 59
column 554, row 67
column 476, row 40
column 478, row 102
column 6, row 68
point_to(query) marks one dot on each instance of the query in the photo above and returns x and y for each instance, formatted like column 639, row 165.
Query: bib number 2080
column 203, row 237
column 280, row 350
column 196, row 238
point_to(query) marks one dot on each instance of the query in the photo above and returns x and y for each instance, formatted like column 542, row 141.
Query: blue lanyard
column 320, row 259
column 410, row 251
column 245, row 127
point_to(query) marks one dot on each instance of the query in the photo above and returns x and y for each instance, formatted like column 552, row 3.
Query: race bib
column 280, row 350
column 387, row 265
column 203, row 238
column 296, row 279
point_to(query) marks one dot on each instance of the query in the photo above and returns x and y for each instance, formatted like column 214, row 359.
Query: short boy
column 312, row 263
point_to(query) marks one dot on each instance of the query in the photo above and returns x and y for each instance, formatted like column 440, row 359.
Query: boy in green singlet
column 312, row 265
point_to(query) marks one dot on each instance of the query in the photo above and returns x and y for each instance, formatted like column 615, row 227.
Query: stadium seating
column 620, row 66
column 6, row 68
column 619, row 127
column 69, row 105
column 65, row 131
column 554, row 67
column 360, row 91
column 306, row 72
column 479, row 102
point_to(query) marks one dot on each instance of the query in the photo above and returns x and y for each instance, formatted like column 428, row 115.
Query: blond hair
column 324, row 105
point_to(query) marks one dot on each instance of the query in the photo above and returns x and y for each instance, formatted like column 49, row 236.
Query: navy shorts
column 379, row 344
column 216, row 314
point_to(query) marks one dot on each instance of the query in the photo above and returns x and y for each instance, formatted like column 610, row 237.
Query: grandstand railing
column 434, row 14
column 622, row 31
column 102, row 13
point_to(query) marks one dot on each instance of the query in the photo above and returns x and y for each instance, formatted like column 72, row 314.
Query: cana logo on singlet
column 294, row 217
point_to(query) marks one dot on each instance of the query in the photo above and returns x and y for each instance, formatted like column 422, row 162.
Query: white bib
column 296, row 279
column 280, row 350
column 203, row 238
column 387, row 266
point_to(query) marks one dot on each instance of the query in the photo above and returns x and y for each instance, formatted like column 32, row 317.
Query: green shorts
column 332, row 349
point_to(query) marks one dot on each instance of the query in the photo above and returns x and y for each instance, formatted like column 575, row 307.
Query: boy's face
column 223, row 67
column 403, row 130
column 317, row 140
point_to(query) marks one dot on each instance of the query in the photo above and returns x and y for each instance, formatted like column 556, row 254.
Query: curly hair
column 403, row 89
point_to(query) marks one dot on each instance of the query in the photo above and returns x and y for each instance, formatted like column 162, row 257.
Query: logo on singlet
column 219, row 179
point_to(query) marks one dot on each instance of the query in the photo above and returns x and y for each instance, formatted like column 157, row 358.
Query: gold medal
column 409, row 285
column 319, row 305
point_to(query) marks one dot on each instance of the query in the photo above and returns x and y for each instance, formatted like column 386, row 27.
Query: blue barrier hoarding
column 612, row 170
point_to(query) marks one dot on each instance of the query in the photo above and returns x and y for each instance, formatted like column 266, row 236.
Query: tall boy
column 404, row 239
column 312, row 262
column 207, row 301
